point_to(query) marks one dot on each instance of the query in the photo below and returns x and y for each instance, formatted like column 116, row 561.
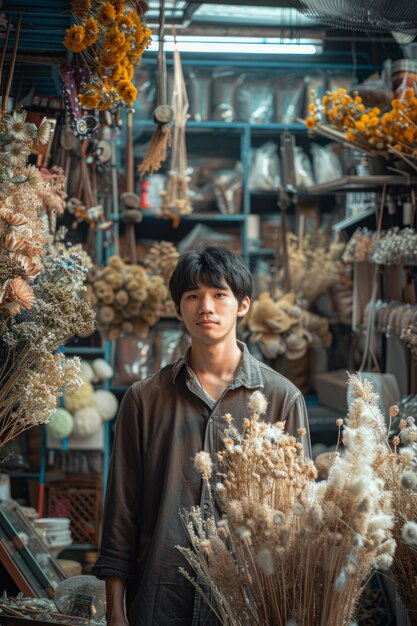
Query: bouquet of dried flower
column 367, row 128
column 289, row 550
column 127, row 298
column 314, row 264
column 402, row 481
column 283, row 326
column 39, row 284
column 111, row 38
column 33, row 371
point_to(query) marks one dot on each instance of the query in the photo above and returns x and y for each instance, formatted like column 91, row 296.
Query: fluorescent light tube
column 237, row 45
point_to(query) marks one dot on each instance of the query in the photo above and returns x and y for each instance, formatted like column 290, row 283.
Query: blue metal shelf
column 215, row 125
column 84, row 350
column 202, row 217
column 17, row 474
column 262, row 251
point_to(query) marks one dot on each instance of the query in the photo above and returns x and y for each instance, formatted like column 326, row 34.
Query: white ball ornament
column 102, row 369
column 106, row 404
column 86, row 371
column 61, row 424
column 87, row 422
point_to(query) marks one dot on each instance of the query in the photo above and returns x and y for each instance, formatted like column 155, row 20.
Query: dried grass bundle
column 402, row 481
column 289, row 550
column 314, row 264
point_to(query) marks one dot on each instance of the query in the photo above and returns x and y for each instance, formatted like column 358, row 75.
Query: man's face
column 209, row 313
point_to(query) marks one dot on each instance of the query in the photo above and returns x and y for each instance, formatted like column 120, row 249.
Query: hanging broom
column 157, row 150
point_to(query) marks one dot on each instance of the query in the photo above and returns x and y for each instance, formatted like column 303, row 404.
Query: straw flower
column 18, row 290
column 43, row 134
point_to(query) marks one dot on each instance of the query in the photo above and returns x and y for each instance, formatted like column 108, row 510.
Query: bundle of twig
column 288, row 550
column 175, row 200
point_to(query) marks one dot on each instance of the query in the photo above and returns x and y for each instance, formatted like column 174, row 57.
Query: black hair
column 211, row 265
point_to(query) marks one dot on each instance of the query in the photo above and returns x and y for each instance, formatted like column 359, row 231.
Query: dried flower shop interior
column 131, row 133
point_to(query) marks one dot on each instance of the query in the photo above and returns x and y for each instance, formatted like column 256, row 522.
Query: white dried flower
column 257, row 403
column 203, row 464
column 341, row 581
column 383, row 561
column 265, row 561
column 244, row 532
column 408, row 480
column 388, row 547
column 409, row 533
column 407, row 453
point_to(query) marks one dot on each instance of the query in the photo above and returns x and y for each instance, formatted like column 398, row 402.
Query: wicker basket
column 79, row 499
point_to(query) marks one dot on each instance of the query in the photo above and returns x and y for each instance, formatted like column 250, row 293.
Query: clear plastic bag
column 326, row 165
column 256, row 100
column 265, row 170
column 289, row 97
column 228, row 187
column 303, row 170
column 199, row 92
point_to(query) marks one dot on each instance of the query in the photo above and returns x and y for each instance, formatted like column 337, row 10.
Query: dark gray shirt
column 163, row 422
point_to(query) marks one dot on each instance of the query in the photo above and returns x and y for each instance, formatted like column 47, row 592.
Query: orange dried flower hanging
column 74, row 39
column 113, row 36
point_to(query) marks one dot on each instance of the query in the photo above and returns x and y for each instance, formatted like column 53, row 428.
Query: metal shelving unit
column 347, row 184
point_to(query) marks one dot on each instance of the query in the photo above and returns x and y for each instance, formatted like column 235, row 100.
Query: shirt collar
column 248, row 373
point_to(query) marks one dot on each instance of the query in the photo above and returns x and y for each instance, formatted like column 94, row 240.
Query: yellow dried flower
column 92, row 31
column 74, row 39
column 88, row 101
column 106, row 14
column 127, row 91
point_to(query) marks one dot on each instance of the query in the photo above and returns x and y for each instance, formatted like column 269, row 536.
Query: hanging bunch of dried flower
column 22, row 236
column 289, row 550
column 111, row 37
column 127, row 298
column 40, row 308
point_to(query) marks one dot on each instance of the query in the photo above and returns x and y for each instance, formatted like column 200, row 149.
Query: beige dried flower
column 257, row 404
column 409, row 533
column 204, row 465
column 18, row 290
column 43, row 134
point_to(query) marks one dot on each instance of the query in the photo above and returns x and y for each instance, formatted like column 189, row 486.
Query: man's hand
column 115, row 595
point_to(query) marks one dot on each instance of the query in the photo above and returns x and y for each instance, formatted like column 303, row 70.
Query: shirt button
column 211, row 420
column 206, row 506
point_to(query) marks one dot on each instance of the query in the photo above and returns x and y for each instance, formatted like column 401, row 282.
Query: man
column 163, row 422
